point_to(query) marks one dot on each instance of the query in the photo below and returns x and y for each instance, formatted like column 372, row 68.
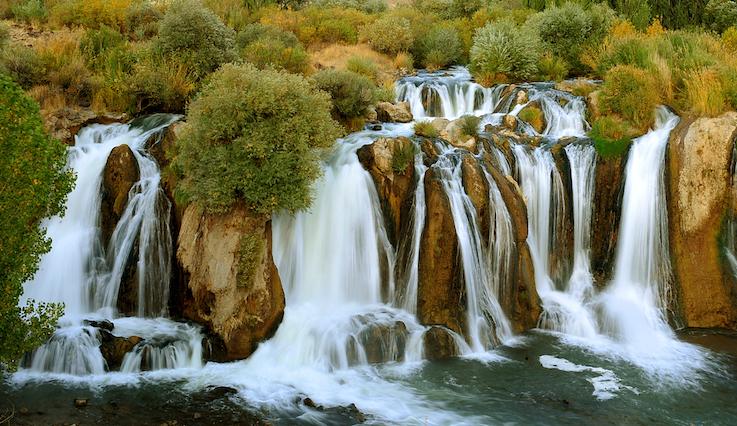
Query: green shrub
column 254, row 32
column 389, row 34
column 567, row 30
column 368, row 6
column 449, row 9
column 426, row 129
column 96, row 43
column 161, row 85
column 503, row 52
column 35, row 185
column 636, row 11
column 729, row 38
column 90, row 13
column 469, row 125
column 633, row 51
column 142, row 20
column 552, row 68
column 253, row 136
column 24, row 65
column 350, row 93
column 195, row 35
column 364, row 67
column 402, row 156
column 30, row 11
column 612, row 136
column 272, row 53
column 4, row 35
column 440, row 47
column 720, row 14
column 632, row 94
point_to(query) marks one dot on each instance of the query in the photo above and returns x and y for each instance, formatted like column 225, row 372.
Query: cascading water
column 85, row 276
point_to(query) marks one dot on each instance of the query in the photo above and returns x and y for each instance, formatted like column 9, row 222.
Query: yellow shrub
column 729, row 38
column 655, row 29
column 404, row 62
column 704, row 93
column 91, row 13
column 622, row 28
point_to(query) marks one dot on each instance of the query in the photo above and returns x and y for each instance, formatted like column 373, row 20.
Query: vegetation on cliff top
column 34, row 186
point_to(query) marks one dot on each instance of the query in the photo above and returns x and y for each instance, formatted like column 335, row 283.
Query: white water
column 85, row 276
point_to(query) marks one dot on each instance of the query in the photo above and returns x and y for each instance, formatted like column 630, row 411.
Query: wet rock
column 308, row 402
column 522, row 98
column 393, row 113
column 475, row 186
column 374, row 127
column 454, row 134
column 241, row 303
column 578, row 87
column 390, row 162
column 371, row 115
column 384, row 342
column 101, row 324
column 114, row 348
column 439, row 344
column 605, row 215
column 510, row 122
column 593, row 106
column 118, row 177
column 431, row 152
column 699, row 161
column 440, row 124
column 441, row 291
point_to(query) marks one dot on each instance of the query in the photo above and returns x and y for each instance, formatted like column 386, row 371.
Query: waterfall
column 79, row 272
column 448, row 95
column 635, row 304
column 486, row 323
column 408, row 297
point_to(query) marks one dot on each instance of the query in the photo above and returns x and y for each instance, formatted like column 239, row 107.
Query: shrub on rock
column 352, row 94
column 503, row 52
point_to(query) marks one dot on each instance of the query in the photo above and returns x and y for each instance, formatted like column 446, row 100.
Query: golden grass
column 338, row 55
column 703, row 92
column 49, row 98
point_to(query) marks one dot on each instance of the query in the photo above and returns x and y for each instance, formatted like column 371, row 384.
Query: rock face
column 441, row 290
column 65, row 123
column 393, row 113
column 235, row 287
column 605, row 216
column 699, row 160
column 453, row 133
column 394, row 179
column 120, row 174
column 114, row 348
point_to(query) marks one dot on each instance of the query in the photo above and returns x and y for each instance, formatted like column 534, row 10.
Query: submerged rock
column 394, row 113
column 114, row 348
column 699, row 161
column 439, row 344
column 230, row 273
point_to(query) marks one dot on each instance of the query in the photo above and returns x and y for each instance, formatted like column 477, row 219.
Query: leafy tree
column 253, row 136
column 33, row 185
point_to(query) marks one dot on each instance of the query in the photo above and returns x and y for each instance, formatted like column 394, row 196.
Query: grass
column 403, row 156
column 250, row 255
column 426, row 129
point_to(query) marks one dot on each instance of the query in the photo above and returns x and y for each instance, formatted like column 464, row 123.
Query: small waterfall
column 448, row 94
column 79, row 272
column 635, row 304
column 566, row 120
column 486, row 323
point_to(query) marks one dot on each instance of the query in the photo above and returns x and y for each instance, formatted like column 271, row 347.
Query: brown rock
column 453, row 133
column 439, row 344
column 510, row 122
column 699, row 163
column 63, row 124
column 441, row 290
column 120, row 174
column 593, row 106
column 241, row 306
column 114, row 348
column 605, row 215
column 393, row 113
column 474, row 184
column 395, row 187
column 578, row 87
column 522, row 98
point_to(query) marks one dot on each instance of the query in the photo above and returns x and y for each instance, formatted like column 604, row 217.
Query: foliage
column 449, row 9
column 403, row 155
column 704, row 93
column 368, row 6
column 253, row 136
column 533, row 116
column 250, row 256
column 404, row 62
column 97, row 43
column 35, row 185
column 637, row 11
column 91, row 13
column 268, row 46
column 426, row 129
column 567, row 30
column 469, row 125
column 160, row 84
column 314, row 25
column 729, row 38
column 439, row 48
column 503, row 52
column 350, row 93
column 720, row 14
column 142, row 20
column 552, row 68
column 195, row 35
column 30, row 11
column 363, row 66
column 389, row 35
column 612, row 136
column 631, row 93
column 4, row 35
column 24, row 65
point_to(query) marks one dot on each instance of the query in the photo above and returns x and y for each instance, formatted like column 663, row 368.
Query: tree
column 33, row 185
column 253, row 136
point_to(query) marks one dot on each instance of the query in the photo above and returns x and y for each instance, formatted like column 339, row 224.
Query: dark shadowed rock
column 119, row 175
column 114, row 348
column 439, row 344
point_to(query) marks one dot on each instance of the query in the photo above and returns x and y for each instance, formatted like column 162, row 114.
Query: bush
column 632, row 94
column 636, row 11
column 552, row 68
column 469, row 125
column 195, row 35
column 368, row 6
column 350, row 93
column 30, row 11
column 236, row 14
column 96, row 43
column 566, row 31
column 404, row 62
column 91, row 13
column 4, row 35
column 426, row 129
column 449, row 9
column 611, row 136
column 440, row 47
column 729, row 38
column 720, row 14
column 161, row 85
column 402, row 156
column 704, row 93
column 253, row 136
column 502, row 52
column 24, row 65
column 364, row 67
column 269, row 46
column 389, row 35
column 142, row 20
column 317, row 25
column 35, row 184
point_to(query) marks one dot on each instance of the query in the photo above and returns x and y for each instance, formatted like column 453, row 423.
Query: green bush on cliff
column 389, row 34
column 632, row 94
column 351, row 93
column 503, row 52
column 253, row 136
column 194, row 35
column 439, row 48
column 268, row 46
column 35, row 185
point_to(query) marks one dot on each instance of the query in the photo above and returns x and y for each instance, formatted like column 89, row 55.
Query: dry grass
column 49, row 98
column 338, row 55
column 704, row 93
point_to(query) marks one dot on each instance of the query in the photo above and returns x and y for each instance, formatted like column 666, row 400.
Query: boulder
column 64, row 124
column 475, row 186
column 440, row 124
column 454, row 134
column 394, row 179
column 114, row 348
column 384, row 342
column 393, row 113
column 605, row 215
column 699, row 162
column 430, row 150
column 510, row 122
column 593, row 106
column 441, row 290
column 230, row 274
column 522, row 98
column 118, row 177
column 438, row 344
column 578, row 86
